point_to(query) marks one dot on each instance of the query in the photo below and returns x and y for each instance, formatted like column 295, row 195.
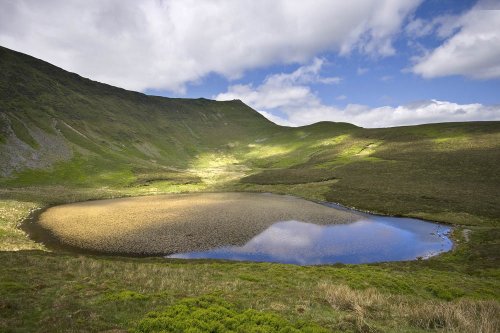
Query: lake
column 236, row 226
column 374, row 239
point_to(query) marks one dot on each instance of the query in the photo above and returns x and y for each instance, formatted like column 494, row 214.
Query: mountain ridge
column 64, row 102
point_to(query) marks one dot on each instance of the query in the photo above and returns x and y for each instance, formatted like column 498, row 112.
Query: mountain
column 57, row 128
column 49, row 115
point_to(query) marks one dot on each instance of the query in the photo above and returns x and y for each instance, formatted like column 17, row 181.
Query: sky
column 373, row 63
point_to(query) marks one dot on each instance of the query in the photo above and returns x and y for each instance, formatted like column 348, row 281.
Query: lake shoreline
column 41, row 233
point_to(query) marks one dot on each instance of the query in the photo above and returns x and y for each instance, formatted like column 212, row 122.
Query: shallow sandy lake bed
column 167, row 224
column 239, row 226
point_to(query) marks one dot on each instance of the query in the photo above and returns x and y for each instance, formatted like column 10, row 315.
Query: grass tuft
column 366, row 307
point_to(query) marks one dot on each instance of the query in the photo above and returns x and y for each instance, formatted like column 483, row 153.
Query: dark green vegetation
column 212, row 314
column 64, row 138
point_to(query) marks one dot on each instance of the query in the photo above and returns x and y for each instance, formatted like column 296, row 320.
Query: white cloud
column 341, row 97
column 165, row 44
column 419, row 27
column 303, row 74
column 473, row 51
column 443, row 26
column 298, row 105
column 279, row 90
column 277, row 119
column 431, row 111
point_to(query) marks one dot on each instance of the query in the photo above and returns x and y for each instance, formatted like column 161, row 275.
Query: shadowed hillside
column 49, row 115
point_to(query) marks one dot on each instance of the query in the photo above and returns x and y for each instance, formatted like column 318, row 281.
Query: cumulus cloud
column 432, row 111
column 292, row 103
column 473, row 51
column 284, row 89
column 166, row 44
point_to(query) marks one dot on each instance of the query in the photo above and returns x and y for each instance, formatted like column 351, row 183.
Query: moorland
column 65, row 139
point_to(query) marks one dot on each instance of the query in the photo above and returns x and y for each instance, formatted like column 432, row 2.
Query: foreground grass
column 56, row 292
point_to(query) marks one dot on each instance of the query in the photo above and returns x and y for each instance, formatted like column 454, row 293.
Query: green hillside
column 64, row 138
column 49, row 115
column 59, row 128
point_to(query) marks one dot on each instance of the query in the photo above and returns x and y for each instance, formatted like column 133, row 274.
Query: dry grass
column 462, row 316
column 12, row 213
column 362, row 308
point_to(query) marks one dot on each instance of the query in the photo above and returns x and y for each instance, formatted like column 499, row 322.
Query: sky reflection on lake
column 374, row 239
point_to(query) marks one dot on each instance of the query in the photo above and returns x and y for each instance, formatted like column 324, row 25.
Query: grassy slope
column 441, row 171
column 126, row 143
column 112, row 132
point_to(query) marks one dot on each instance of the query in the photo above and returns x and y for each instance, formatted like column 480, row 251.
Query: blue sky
column 374, row 81
column 375, row 63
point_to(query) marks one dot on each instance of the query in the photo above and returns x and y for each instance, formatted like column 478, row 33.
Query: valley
column 66, row 139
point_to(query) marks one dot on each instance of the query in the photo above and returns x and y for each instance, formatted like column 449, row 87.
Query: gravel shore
column 166, row 224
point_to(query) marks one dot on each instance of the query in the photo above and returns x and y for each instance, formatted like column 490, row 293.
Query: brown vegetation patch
column 365, row 307
column 179, row 223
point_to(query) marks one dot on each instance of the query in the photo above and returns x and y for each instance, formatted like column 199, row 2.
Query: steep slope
column 48, row 115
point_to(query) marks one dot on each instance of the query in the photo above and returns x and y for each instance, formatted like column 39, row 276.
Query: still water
column 236, row 226
column 373, row 239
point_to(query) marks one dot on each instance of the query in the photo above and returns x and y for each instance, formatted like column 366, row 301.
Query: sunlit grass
column 217, row 168
column 12, row 213
column 214, row 160
column 332, row 141
column 262, row 151
column 159, row 187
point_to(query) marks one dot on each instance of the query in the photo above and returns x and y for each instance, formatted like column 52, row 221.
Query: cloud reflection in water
column 374, row 239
